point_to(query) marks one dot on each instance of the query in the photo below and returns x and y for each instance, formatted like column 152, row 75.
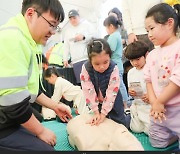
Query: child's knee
column 157, row 143
column 136, row 128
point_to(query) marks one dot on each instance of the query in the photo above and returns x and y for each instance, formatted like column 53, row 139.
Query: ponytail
column 163, row 11
column 177, row 10
column 112, row 20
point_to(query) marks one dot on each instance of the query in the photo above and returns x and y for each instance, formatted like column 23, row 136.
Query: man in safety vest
column 55, row 55
column 20, row 40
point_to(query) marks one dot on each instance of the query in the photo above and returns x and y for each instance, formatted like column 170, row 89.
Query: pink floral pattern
column 91, row 97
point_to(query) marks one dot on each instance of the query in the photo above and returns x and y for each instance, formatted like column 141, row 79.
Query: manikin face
column 138, row 62
column 41, row 27
column 100, row 62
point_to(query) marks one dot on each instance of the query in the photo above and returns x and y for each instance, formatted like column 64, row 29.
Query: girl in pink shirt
column 162, row 74
column 100, row 83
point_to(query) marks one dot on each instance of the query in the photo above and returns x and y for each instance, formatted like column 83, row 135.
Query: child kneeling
column 65, row 89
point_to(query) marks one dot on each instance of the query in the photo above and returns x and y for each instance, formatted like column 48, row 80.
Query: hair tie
column 101, row 44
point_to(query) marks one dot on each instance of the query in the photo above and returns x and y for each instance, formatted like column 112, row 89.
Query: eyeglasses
column 54, row 28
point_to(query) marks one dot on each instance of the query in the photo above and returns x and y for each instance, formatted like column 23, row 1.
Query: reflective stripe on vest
column 16, row 82
column 56, row 52
column 13, row 82
column 15, row 98
column 33, row 98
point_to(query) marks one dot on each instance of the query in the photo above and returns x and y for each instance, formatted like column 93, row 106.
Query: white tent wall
column 9, row 8
column 105, row 8
column 94, row 11
column 88, row 9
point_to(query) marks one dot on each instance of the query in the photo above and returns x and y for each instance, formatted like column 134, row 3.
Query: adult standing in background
column 75, row 42
column 133, row 12
column 20, row 40
column 55, row 55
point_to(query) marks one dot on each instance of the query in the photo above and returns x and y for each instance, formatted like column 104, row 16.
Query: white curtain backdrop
column 95, row 11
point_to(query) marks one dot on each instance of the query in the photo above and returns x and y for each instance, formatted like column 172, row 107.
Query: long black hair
column 112, row 20
column 162, row 12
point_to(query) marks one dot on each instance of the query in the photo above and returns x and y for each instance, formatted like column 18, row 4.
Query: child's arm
column 89, row 90
column 169, row 92
column 150, row 92
column 112, row 41
column 111, row 92
column 157, row 110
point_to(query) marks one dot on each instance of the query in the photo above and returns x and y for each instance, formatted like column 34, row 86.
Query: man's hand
column 63, row 112
column 65, row 63
column 78, row 37
column 47, row 136
column 131, row 38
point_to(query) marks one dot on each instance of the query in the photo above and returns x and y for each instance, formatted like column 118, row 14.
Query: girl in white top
column 64, row 88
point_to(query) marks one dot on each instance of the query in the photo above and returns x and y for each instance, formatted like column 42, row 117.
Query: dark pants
column 23, row 140
column 77, row 67
column 117, row 112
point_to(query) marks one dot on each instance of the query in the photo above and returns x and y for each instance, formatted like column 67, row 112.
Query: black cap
column 73, row 13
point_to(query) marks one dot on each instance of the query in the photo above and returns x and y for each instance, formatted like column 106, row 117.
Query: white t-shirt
column 135, row 75
column 77, row 50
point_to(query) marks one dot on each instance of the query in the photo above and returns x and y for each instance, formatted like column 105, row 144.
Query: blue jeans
column 123, row 88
